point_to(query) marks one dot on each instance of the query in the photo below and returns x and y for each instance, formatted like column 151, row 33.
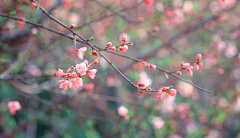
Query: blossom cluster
column 151, row 66
column 73, row 76
column 14, row 106
column 168, row 90
column 122, row 111
column 188, row 67
column 123, row 47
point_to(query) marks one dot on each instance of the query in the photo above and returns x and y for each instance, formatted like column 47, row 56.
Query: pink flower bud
column 125, row 48
column 72, row 25
column 196, row 67
column 113, row 48
column 95, row 62
column 126, row 117
column 159, row 94
column 172, row 92
column 149, row 3
column 182, row 63
column 140, row 19
column 179, row 73
column 200, row 64
column 144, row 64
column 73, row 75
column 34, row 5
column 60, row 73
column 190, row 73
column 156, row 29
column 124, row 38
column 185, row 65
column 122, row 111
column 199, row 57
column 153, row 67
column 109, row 44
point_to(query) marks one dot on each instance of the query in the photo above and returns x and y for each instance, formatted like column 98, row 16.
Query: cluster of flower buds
column 94, row 53
column 73, row 76
column 123, row 47
column 188, row 67
column 198, row 62
column 143, row 88
column 151, row 66
column 14, row 106
column 169, row 90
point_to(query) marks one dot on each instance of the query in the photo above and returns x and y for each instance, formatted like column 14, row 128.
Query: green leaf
column 54, row 11
column 171, row 87
column 13, row 12
column 91, row 38
column 166, row 75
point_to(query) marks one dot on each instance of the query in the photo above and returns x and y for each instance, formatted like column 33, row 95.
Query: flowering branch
column 129, row 57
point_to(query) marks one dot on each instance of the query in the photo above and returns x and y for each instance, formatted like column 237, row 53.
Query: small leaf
column 129, row 42
column 166, row 75
column 54, row 11
column 13, row 12
column 148, row 86
column 91, row 38
column 171, row 87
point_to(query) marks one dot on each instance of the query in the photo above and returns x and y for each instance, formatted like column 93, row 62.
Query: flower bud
column 153, row 67
column 196, row 67
column 113, row 48
column 144, row 64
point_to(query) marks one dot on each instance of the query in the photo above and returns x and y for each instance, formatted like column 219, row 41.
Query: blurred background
column 163, row 33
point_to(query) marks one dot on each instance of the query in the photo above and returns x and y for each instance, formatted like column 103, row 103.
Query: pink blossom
column 92, row 73
column 14, row 106
column 199, row 57
column 156, row 29
column 144, row 64
column 89, row 86
column 172, row 92
column 159, row 94
column 69, row 69
column 64, row 84
column 149, row 3
column 77, row 82
column 200, row 64
column 140, row 19
column 196, row 67
column 82, row 68
column 158, row 122
column 124, row 38
column 122, row 111
column 80, row 52
column 73, row 75
column 60, row 73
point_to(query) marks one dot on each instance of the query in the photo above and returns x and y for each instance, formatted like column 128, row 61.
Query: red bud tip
column 34, row 5
column 95, row 62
